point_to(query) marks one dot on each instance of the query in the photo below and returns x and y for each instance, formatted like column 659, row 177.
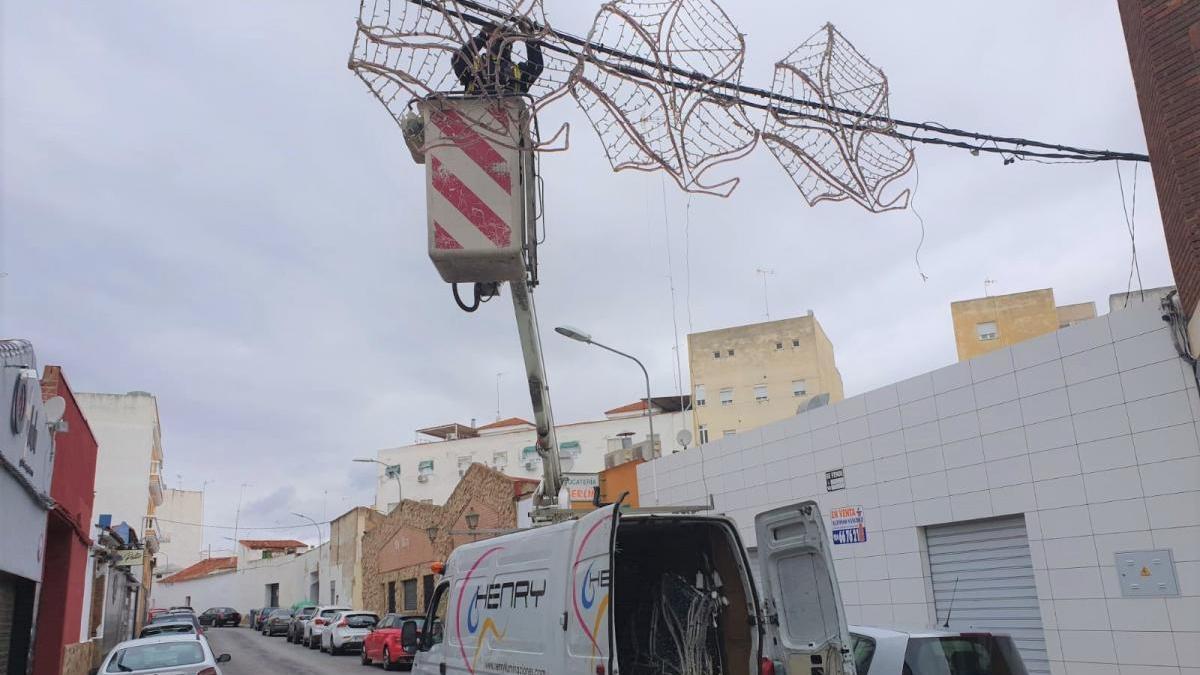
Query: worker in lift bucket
column 485, row 65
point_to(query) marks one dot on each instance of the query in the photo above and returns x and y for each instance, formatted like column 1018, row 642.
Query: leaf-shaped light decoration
column 842, row 147
column 645, row 124
column 405, row 50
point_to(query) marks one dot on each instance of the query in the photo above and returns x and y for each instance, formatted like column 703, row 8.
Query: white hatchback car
column 180, row 654
column 347, row 630
column 314, row 627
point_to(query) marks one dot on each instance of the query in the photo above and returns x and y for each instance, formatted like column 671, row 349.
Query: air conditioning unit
column 462, row 471
column 423, row 478
column 531, row 465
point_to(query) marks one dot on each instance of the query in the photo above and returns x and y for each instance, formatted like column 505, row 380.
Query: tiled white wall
column 1090, row 432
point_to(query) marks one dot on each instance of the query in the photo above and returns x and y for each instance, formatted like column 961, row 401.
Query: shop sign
column 130, row 557
column 848, row 525
column 581, row 486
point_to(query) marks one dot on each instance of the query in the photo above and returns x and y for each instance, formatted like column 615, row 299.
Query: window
column 863, row 649
column 410, row 595
column 760, row 393
column 499, row 460
column 700, row 400
column 267, row 554
column 703, row 434
column 795, row 342
column 391, row 596
column 332, row 594
column 729, row 353
column 799, row 388
column 986, row 330
column 464, row 463
column 425, row 467
column 728, row 432
column 717, row 354
column 156, row 656
column 778, row 346
column 531, row 458
column 441, row 604
column 569, row 449
column 727, row 397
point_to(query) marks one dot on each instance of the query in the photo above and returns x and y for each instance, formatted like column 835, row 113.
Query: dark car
column 220, row 616
column 277, row 622
column 178, row 626
column 295, row 632
column 385, row 644
column 261, row 617
column 175, row 617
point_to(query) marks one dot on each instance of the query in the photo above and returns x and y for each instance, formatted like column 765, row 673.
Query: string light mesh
column 844, row 148
column 404, row 49
column 635, row 48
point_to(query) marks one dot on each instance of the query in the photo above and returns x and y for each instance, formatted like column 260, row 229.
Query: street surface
column 256, row 654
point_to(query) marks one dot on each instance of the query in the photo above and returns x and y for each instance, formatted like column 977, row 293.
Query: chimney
column 472, row 422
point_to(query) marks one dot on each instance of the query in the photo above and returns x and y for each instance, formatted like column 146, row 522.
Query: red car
column 382, row 644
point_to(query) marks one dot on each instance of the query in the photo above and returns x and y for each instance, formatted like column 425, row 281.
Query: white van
column 636, row 594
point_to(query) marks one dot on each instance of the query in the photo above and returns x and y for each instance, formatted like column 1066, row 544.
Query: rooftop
column 202, row 569
column 505, row 423
column 449, row 431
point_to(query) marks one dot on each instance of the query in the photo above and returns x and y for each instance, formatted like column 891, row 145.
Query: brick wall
column 398, row 547
column 1163, row 38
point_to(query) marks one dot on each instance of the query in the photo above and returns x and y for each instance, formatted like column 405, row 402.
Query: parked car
column 296, row 628
column 220, row 616
column 277, row 622
column 883, row 651
column 346, row 631
column 261, row 617
column 176, row 627
column 150, row 614
column 317, row 624
column 384, row 644
column 178, row 654
column 172, row 617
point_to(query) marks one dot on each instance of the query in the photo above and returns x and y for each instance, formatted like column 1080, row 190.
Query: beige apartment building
column 747, row 376
column 982, row 325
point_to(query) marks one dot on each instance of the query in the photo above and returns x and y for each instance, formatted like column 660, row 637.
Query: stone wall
column 398, row 548
column 80, row 658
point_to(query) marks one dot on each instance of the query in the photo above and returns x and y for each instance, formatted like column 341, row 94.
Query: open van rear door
column 588, row 612
column 805, row 619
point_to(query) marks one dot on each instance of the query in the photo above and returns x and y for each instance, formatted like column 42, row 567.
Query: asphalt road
column 255, row 654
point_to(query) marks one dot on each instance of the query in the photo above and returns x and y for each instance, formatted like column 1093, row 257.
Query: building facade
column 1163, row 38
column 1052, row 486
column 64, row 601
column 129, row 483
column 181, row 535
column 398, row 551
column 26, row 471
column 983, row 325
column 748, row 376
column 345, row 569
column 430, row 471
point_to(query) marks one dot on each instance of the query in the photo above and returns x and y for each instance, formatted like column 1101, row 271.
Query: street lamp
column 314, row 524
column 580, row 336
column 389, row 470
column 431, row 532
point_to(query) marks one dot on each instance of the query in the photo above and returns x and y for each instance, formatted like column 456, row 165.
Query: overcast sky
column 201, row 201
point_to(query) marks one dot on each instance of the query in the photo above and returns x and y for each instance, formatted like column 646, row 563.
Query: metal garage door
column 983, row 569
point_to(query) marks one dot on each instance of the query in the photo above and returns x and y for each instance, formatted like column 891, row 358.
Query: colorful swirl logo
column 472, row 620
column 584, row 597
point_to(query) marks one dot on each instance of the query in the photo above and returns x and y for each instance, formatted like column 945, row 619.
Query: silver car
column 884, row 651
column 180, row 654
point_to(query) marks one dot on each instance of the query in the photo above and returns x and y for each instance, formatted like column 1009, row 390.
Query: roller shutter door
column 983, row 568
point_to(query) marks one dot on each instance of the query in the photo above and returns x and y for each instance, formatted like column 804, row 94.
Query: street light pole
column 314, row 524
column 580, row 336
column 389, row 469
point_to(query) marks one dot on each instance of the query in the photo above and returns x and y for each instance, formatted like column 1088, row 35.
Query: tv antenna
column 766, row 304
column 987, row 285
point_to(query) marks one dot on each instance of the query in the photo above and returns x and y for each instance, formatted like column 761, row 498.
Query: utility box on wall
column 1147, row 574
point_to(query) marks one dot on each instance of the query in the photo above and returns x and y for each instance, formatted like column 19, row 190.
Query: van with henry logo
column 636, row 594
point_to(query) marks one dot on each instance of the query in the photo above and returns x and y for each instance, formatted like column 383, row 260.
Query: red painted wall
column 1163, row 38
column 60, row 608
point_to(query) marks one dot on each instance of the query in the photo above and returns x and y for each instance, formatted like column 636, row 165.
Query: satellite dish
column 54, row 408
column 684, row 437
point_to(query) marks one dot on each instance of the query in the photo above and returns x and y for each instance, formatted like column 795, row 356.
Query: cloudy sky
column 201, row 201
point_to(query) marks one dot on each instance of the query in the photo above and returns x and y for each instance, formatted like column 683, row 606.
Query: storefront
column 26, row 463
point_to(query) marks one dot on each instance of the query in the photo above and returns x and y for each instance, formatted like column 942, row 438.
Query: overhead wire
column 736, row 92
column 1130, row 211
